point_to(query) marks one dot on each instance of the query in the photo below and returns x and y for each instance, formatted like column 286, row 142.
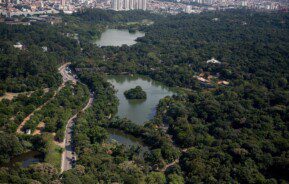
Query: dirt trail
column 65, row 78
column 39, row 128
column 169, row 165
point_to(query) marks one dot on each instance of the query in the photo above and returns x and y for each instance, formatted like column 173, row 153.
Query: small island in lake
column 135, row 93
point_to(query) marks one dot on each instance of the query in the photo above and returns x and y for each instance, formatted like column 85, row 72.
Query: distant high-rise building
column 131, row 4
column 62, row 2
column 119, row 5
column 138, row 4
column 126, row 5
column 144, row 5
column 188, row 9
column 244, row 3
column 41, row 4
column 114, row 5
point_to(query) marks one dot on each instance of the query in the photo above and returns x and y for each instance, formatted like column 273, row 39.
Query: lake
column 118, row 37
column 127, row 140
column 138, row 111
column 26, row 159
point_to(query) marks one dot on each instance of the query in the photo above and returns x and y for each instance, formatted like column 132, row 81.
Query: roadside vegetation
column 56, row 113
column 12, row 112
column 52, row 151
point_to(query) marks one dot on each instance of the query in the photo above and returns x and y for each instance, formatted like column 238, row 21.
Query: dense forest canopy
column 32, row 67
column 228, row 125
column 236, row 121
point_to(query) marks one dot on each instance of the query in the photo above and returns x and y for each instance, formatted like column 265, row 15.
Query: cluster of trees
column 13, row 146
column 56, row 113
column 10, row 146
column 135, row 93
column 30, row 70
column 33, row 67
column 12, row 112
column 238, row 134
column 26, row 70
column 39, row 35
column 39, row 173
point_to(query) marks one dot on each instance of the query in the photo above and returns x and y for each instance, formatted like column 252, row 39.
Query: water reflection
column 135, row 102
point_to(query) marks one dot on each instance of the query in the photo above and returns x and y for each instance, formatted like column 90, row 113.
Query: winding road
column 69, row 155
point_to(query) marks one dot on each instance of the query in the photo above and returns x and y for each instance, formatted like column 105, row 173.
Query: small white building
column 18, row 45
column 213, row 60
column 188, row 9
column 28, row 131
column 45, row 49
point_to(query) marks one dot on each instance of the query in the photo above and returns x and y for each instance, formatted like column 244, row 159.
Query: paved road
column 68, row 155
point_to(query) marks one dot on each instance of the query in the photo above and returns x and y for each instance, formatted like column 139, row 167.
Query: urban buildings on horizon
column 126, row 5
column 10, row 8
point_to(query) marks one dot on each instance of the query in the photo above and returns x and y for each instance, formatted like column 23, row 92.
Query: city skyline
column 9, row 8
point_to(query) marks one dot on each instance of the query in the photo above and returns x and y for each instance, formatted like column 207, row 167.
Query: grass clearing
column 52, row 152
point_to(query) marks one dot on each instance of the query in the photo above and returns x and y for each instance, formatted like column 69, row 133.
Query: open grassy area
column 52, row 152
